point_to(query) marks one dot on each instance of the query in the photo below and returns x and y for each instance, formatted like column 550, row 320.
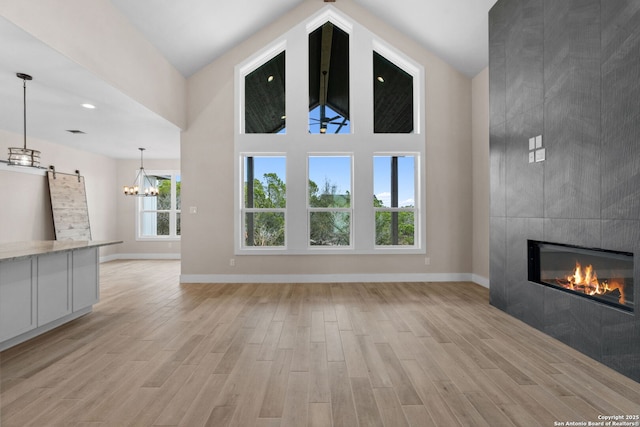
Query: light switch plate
column 532, row 143
column 540, row 155
column 531, row 157
column 539, row 141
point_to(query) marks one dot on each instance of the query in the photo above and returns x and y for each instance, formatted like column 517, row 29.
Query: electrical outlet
column 427, row 261
column 232, row 262
column 193, row 209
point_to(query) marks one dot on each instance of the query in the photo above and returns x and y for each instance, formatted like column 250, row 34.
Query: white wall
column 25, row 212
column 480, row 154
column 207, row 168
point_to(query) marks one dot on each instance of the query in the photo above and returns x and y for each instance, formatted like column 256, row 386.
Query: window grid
column 157, row 219
column 264, row 201
column 396, row 223
column 362, row 143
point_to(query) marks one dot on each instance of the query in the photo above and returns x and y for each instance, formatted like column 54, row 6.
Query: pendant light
column 141, row 187
column 24, row 156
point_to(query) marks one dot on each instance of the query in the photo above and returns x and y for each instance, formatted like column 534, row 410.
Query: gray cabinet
column 54, row 287
column 42, row 291
column 85, row 278
column 17, row 297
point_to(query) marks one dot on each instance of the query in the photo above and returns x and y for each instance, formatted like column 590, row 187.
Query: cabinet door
column 85, row 278
column 17, row 298
column 54, row 287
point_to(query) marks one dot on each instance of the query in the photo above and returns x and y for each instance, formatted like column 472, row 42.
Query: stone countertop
column 15, row 250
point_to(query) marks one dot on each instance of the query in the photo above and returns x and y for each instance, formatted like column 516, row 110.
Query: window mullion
column 172, row 212
column 297, row 199
column 361, row 82
column 394, row 199
column 249, row 201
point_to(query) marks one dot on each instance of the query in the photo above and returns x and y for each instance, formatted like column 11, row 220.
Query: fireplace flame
column 586, row 281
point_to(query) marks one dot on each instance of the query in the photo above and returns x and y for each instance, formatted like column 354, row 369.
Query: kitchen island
column 44, row 284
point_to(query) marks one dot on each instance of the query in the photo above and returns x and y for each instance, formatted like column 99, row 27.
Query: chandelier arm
column 140, row 182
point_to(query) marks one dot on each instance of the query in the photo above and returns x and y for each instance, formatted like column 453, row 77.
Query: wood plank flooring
column 155, row 352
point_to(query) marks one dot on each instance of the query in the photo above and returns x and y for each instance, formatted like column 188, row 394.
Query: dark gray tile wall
column 523, row 57
column 618, row 351
column 524, row 189
column 497, row 65
column 568, row 70
column 523, row 300
column 497, row 261
column 620, row 109
column 498, row 170
column 578, row 232
column 572, row 108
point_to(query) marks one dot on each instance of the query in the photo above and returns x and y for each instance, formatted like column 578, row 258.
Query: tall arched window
column 329, row 144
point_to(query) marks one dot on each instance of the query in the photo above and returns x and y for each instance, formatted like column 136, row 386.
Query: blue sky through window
column 382, row 180
column 334, row 169
column 265, row 165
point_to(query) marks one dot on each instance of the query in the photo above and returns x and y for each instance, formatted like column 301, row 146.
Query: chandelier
column 23, row 156
column 141, row 187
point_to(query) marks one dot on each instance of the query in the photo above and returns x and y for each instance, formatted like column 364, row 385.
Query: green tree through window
column 394, row 200
column 160, row 215
column 329, row 228
column 265, row 200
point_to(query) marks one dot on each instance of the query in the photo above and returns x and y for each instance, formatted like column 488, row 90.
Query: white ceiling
column 191, row 34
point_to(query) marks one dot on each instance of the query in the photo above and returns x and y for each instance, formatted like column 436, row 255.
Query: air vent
column 76, row 131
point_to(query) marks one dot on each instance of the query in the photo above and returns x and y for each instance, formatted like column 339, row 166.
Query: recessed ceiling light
column 270, row 78
column 89, row 106
column 380, row 79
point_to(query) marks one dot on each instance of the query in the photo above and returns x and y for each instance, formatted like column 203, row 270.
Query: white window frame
column 362, row 144
column 173, row 211
column 245, row 210
column 349, row 210
column 416, row 184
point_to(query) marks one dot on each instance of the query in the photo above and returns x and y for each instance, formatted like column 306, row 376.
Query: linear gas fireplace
column 602, row 275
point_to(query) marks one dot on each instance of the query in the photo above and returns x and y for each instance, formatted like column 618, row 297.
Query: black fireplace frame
column 533, row 261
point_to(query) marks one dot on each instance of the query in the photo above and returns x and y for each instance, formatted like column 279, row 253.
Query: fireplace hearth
column 598, row 274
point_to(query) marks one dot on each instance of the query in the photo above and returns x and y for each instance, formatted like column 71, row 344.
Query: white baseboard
column 139, row 256
column 326, row 278
column 306, row 278
column 108, row 258
column 482, row 281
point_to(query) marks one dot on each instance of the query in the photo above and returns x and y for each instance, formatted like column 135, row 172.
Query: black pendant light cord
column 24, row 78
column 24, row 111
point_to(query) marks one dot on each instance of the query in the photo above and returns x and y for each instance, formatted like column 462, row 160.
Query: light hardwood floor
column 155, row 352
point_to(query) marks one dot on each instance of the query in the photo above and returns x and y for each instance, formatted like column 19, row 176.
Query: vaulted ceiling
column 191, row 34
